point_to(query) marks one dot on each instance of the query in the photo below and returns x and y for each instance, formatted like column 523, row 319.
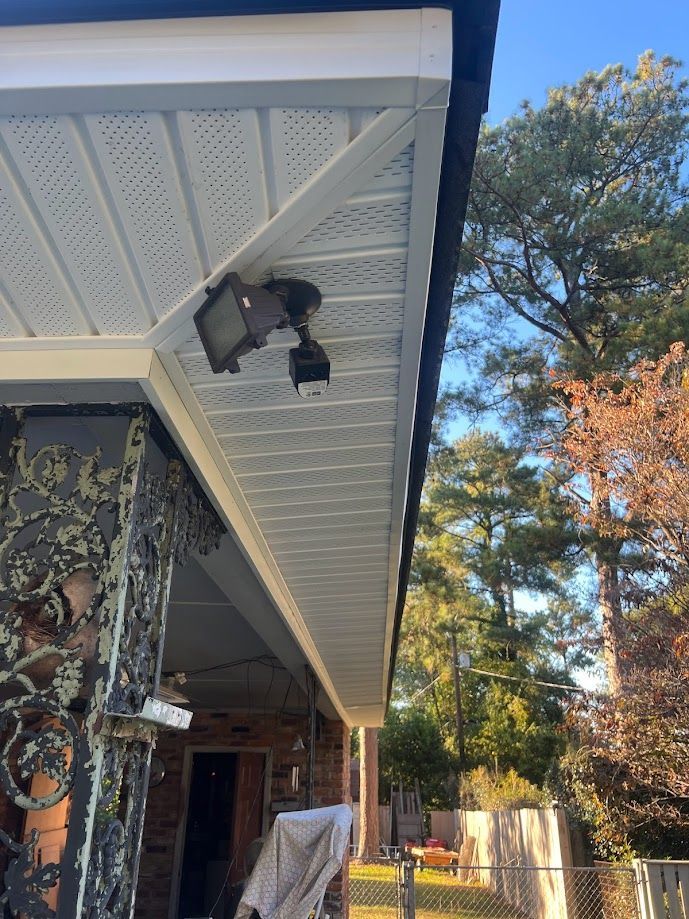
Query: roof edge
column 47, row 12
column 474, row 27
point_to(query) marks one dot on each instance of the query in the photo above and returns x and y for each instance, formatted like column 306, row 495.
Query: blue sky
column 544, row 43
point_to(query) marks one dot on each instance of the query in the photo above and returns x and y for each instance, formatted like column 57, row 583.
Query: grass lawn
column 439, row 895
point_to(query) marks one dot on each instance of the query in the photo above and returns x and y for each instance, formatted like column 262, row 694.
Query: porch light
column 236, row 318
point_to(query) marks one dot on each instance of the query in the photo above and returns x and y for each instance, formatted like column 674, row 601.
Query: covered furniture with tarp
column 303, row 852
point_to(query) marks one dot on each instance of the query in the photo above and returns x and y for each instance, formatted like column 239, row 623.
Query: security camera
column 309, row 366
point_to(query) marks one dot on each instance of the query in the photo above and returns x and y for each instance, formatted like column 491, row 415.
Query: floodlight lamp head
column 237, row 317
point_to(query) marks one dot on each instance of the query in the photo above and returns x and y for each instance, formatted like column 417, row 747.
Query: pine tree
column 369, row 828
column 576, row 258
column 490, row 530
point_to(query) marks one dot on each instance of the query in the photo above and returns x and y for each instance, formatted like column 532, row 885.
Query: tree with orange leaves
column 630, row 435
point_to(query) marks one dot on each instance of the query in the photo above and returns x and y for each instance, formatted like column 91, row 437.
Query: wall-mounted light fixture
column 237, row 318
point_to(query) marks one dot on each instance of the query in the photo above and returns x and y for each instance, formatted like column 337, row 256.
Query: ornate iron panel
column 87, row 548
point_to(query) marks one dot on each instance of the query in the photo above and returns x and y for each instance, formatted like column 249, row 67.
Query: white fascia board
column 435, row 59
column 367, row 716
column 66, row 344
column 386, row 58
column 75, row 365
column 428, row 149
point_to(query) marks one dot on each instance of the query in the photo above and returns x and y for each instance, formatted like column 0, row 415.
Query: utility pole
column 459, row 714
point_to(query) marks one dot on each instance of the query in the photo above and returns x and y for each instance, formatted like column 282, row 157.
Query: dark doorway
column 208, row 834
column 224, row 815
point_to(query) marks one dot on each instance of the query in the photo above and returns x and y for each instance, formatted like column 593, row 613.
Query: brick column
column 332, row 787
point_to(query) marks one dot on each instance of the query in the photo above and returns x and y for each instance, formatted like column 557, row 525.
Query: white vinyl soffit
column 142, row 161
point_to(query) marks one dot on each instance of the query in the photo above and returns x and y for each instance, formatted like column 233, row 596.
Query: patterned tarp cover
column 303, row 851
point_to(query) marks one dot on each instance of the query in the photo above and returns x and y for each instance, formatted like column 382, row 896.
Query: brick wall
column 217, row 729
column 332, row 779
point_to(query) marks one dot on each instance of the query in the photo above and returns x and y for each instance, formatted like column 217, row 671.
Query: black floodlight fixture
column 235, row 319
column 238, row 317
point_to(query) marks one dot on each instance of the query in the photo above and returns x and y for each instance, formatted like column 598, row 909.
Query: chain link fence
column 385, row 890
column 375, row 889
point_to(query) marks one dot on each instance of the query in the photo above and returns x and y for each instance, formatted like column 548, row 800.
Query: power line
column 423, row 689
column 501, row 676
column 520, row 679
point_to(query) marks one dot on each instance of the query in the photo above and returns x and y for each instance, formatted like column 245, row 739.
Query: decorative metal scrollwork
column 119, row 811
column 25, row 882
column 135, row 674
column 198, row 526
column 86, row 551
column 52, row 554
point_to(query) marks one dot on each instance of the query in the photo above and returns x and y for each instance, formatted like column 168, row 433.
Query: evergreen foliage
column 492, row 535
column 575, row 266
column 576, row 251
column 576, row 262
column 411, row 748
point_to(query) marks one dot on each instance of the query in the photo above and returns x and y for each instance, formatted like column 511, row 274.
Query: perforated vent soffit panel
column 142, row 161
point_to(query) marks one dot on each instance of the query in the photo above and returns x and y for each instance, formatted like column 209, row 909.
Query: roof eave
column 474, row 31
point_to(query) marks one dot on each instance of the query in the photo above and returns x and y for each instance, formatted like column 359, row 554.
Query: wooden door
column 247, row 821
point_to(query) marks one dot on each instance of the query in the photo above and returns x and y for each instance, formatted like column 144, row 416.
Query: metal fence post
column 410, row 890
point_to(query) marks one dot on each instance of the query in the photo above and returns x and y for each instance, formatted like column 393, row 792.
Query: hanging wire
column 519, row 679
column 501, row 676
column 266, row 660
column 267, row 695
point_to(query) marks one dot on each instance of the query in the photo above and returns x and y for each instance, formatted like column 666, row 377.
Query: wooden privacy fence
column 663, row 888
column 523, row 836
column 540, row 838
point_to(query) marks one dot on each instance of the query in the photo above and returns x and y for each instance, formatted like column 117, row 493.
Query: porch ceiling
column 141, row 162
column 227, row 664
